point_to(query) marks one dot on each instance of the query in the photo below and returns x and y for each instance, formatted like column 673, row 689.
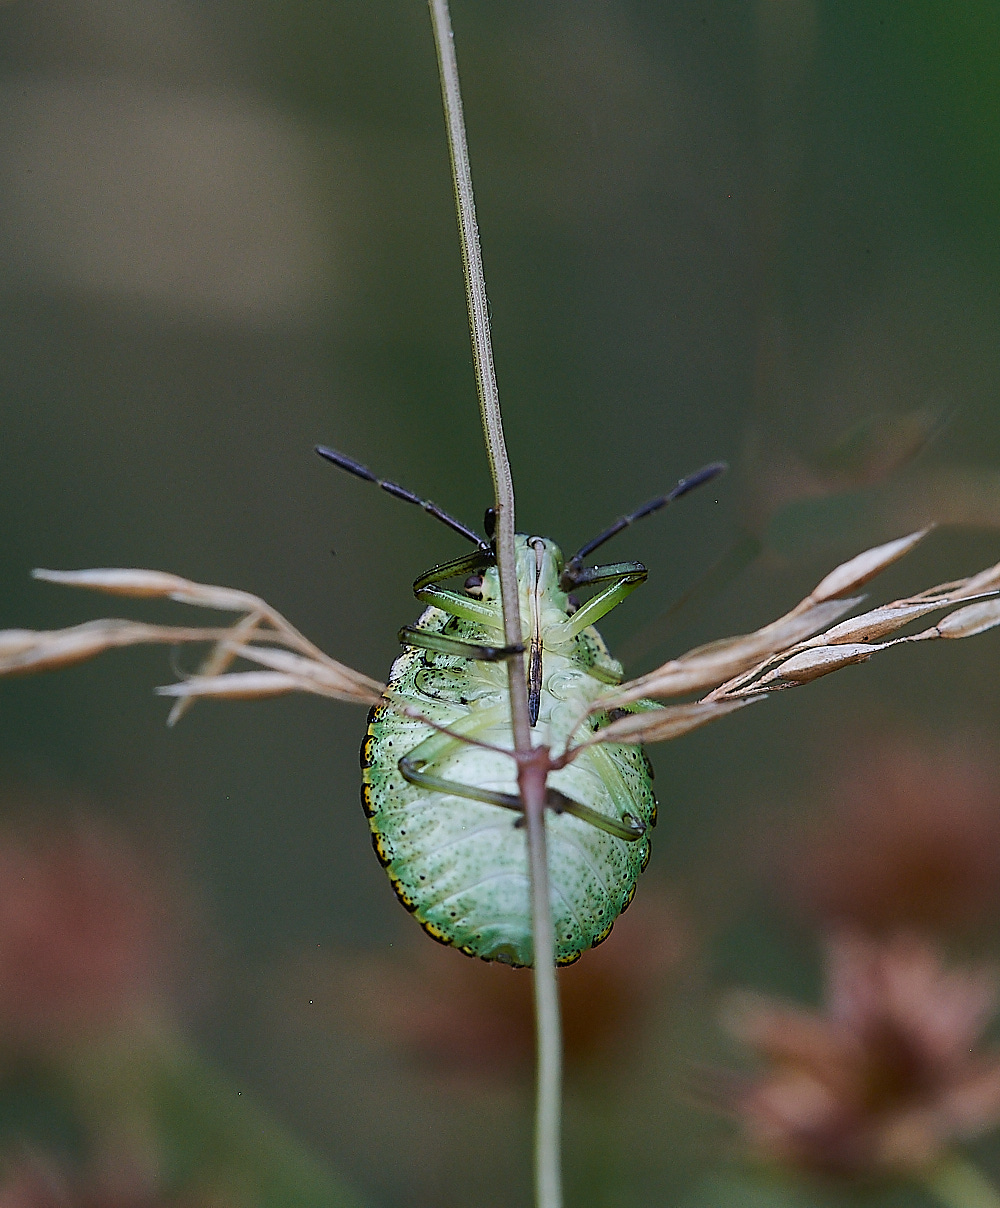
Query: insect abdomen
column 459, row 865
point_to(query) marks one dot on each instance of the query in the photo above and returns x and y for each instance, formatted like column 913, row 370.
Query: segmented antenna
column 705, row 474
column 392, row 488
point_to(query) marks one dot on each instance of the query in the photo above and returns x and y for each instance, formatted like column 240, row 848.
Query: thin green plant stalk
column 531, row 771
column 956, row 1182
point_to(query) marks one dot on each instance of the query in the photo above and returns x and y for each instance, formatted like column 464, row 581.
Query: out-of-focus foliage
column 766, row 232
column 102, row 1103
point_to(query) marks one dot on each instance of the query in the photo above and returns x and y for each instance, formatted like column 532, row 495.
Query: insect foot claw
column 628, row 828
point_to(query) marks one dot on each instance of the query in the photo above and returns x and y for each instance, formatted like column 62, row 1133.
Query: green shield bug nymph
column 439, row 792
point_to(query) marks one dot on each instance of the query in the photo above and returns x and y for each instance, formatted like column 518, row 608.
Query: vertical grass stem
column 531, row 772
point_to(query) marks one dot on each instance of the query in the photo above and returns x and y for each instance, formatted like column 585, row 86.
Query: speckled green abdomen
column 460, row 865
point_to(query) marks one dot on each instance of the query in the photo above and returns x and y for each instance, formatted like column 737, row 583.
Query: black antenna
column 355, row 467
column 705, row 474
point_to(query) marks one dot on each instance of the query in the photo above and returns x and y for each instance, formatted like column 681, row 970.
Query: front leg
column 425, row 639
column 468, row 564
column 624, row 578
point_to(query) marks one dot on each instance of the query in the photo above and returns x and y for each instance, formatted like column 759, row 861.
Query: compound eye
column 572, row 604
column 474, row 586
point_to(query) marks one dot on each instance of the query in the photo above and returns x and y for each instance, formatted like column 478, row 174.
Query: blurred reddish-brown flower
column 467, row 1016
column 886, row 1078
column 31, row 1181
column 26, row 1183
column 913, row 841
column 82, row 933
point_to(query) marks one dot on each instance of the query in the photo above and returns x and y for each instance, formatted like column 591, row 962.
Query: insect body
column 459, row 861
column 439, row 790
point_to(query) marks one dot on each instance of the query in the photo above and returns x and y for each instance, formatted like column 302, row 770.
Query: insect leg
column 622, row 795
column 461, row 606
column 604, row 675
column 465, row 735
column 425, row 640
column 466, row 565
column 625, row 576
column 464, row 607
column 412, row 771
column 629, row 828
column 447, row 739
column 589, row 576
column 442, row 744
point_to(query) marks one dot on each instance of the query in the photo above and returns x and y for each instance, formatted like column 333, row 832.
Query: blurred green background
column 765, row 231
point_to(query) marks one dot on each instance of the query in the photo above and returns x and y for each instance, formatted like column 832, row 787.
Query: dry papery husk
column 806, row 643
column 261, row 636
